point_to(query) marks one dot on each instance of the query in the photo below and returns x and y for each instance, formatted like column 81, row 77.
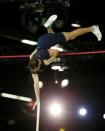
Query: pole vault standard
column 60, row 55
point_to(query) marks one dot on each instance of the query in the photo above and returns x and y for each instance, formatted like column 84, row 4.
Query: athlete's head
column 35, row 65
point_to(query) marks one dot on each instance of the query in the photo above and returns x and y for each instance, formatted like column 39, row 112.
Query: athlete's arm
column 36, row 89
column 53, row 55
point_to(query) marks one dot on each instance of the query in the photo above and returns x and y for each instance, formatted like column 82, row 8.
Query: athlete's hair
column 34, row 64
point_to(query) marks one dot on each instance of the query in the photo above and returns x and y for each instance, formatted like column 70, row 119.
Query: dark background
column 85, row 73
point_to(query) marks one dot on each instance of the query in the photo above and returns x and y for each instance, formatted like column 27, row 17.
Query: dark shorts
column 50, row 39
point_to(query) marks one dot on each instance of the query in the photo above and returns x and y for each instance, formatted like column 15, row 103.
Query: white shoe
column 96, row 31
column 50, row 20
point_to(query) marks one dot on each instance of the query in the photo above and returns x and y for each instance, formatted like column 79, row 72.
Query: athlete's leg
column 50, row 30
column 78, row 32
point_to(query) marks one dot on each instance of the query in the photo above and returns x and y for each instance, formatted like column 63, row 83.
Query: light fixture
column 62, row 129
column 76, row 24
column 59, row 66
column 16, row 97
column 55, row 109
column 64, row 83
column 104, row 116
column 55, row 67
column 82, row 111
column 29, row 42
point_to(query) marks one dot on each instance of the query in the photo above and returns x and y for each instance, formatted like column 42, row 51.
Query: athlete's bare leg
column 81, row 31
column 50, row 30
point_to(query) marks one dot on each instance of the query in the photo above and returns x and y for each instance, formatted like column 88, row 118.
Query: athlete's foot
column 50, row 21
column 96, row 31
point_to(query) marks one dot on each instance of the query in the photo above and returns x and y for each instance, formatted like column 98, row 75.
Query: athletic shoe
column 50, row 20
column 96, row 31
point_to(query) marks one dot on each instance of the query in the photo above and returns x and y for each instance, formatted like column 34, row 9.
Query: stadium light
column 75, row 25
column 82, row 112
column 62, row 129
column 16, row 97
column 29, row 42
column 64, row 83
column 55, row 109
column 104, row 116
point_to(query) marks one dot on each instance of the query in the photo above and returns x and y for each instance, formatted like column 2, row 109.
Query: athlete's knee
column 68, row 36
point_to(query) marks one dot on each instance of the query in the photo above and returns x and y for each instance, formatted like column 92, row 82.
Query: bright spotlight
column 62, row 129
column 64, row 83
column 104, row 116
column 82, row 111
column 55, row 109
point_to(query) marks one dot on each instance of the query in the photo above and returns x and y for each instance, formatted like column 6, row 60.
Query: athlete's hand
column 49, row 61
column 36, row 104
